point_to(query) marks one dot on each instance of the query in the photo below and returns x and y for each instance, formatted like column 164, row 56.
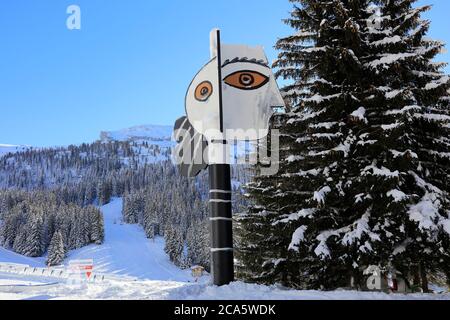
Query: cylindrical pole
column 222, row 264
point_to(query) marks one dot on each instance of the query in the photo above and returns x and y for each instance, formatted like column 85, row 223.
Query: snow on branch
column 397, row 195
column 328, row 136
column 305, row 116
column 304, row 34
column 322, row 250
column 392, row 126
column 436, row 153
column 314, row 49
column 387, row 40
column 426, row 211
column 433, row 117
column 301, row 173
column 404, row 110
column 352, row 233
column 294, row 158
column 427, row 187
column 297, row 237
column 437, row 83
column 358, row 229
column 319, row 196
column 319, row 99
column 392, row 94
column 388, row 59
column 382, row 172
column 409, row 153
column 304, row 213
column 360, row 114
column 413, row 14
column 325, row 125
column 426, row 214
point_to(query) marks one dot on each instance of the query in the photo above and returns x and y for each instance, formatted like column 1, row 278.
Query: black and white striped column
column 222, row 264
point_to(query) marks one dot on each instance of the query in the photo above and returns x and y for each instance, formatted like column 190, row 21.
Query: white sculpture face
column 233, row 96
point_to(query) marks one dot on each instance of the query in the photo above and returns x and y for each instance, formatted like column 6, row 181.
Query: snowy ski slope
column 127, row 251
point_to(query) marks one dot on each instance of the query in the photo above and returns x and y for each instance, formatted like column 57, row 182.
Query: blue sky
column 130, row 63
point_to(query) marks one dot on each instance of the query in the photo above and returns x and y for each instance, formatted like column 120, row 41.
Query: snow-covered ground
column 159, row 290
column 12, row 257
column 127, row 253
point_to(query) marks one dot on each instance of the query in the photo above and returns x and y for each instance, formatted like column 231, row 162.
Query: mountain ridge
column 148, row 132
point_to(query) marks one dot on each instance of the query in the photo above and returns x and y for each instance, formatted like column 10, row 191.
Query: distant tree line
column 34, row 223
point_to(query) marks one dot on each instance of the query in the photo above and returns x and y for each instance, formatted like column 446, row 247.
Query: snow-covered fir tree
column 150, row 220
column 197, row 242
column 174, row 245
column 18, row 240
column 96, row 226
column 34, row 246
column 129, row 216
column 104, row 190
column 364, row 151
column 56, row 251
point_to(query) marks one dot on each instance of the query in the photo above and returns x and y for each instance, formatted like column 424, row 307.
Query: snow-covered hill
column 161, row 136
column 151, row 142
column 155, row 133
column 12, row 257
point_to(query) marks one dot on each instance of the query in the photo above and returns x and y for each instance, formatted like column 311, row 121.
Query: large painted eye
column 203, row 91
column 246, row 80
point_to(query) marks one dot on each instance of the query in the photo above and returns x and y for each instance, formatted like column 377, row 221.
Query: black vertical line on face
column 219, row 66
